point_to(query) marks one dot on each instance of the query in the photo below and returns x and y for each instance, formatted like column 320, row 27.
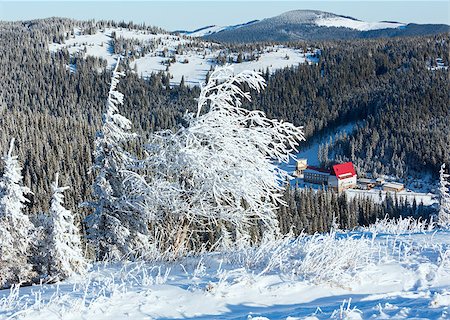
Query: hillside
column 307, row 25
column 208, row 30
column 180, row 56
column 386, row 271
column 45, row 87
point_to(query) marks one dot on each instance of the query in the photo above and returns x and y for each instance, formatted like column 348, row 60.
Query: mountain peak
column 299, row 25
column 302, row 16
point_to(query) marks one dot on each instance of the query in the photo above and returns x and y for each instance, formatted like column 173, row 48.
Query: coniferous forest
column 400, row 106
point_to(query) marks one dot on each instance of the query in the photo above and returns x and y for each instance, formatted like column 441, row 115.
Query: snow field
column 342, row 275
column 194, row 64
column 356, row 24
column 207, row 31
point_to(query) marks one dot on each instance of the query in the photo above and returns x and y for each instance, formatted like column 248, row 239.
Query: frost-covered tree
column 65, row 256
column 115, row 228
column 220, row 171
column 444, row 197
column 16, row 230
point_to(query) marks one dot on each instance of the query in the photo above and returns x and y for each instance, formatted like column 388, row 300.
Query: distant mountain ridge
column 300, row 25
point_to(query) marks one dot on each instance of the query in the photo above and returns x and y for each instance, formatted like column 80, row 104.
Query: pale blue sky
column 189, row 15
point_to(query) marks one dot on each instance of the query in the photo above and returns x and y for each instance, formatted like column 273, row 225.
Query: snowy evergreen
column 444, row 197
column 115, row 228
column 222, row 167
column 65, row 255
column 16, row 230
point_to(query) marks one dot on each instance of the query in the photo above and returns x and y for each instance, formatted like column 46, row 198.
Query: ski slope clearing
column 194, row 66
column 395, row 270
column 338, row 21
column 193, row 62
column 310, row 151
column 206, row 31
column 98, row 44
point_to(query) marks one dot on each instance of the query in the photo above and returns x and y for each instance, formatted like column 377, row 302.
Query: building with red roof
column 342, row 176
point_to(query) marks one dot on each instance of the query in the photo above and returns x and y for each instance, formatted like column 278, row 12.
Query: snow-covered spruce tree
column 220, row 173
column 16, row 230
column 65, row 256
column 444, row 197
column 115, row 228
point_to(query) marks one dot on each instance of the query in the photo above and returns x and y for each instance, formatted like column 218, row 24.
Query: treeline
column 313, row 211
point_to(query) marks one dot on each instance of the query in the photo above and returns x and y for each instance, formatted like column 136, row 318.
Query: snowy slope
column 208, row 30
column 327, row 19
column 363, row 274
column 355, row 24
column 303, row 17
column 194, row 63
column 97, row 45
column 198, row 65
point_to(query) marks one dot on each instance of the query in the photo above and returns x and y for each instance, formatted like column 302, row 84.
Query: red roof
column 343, row 170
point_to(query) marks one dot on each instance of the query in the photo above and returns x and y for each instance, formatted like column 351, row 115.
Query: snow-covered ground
column 207, row 31
column 195, row 62
column 98, row 44
column 365, row 274
column 427, row 199
column 356, row 24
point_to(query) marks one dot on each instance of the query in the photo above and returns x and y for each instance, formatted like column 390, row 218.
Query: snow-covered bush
column 330, row 257
column 219, row 175
column 116, row 228
column 83, row 296
column 16, row 230
column 444, row 197
column 269, row 255
column 444, row 257
column 13, row 300
column 319, row 258
column 346, row 312
column 399, row 226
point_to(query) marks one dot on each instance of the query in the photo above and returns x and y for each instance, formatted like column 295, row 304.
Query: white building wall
column 339, row 185
column 347, row 183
